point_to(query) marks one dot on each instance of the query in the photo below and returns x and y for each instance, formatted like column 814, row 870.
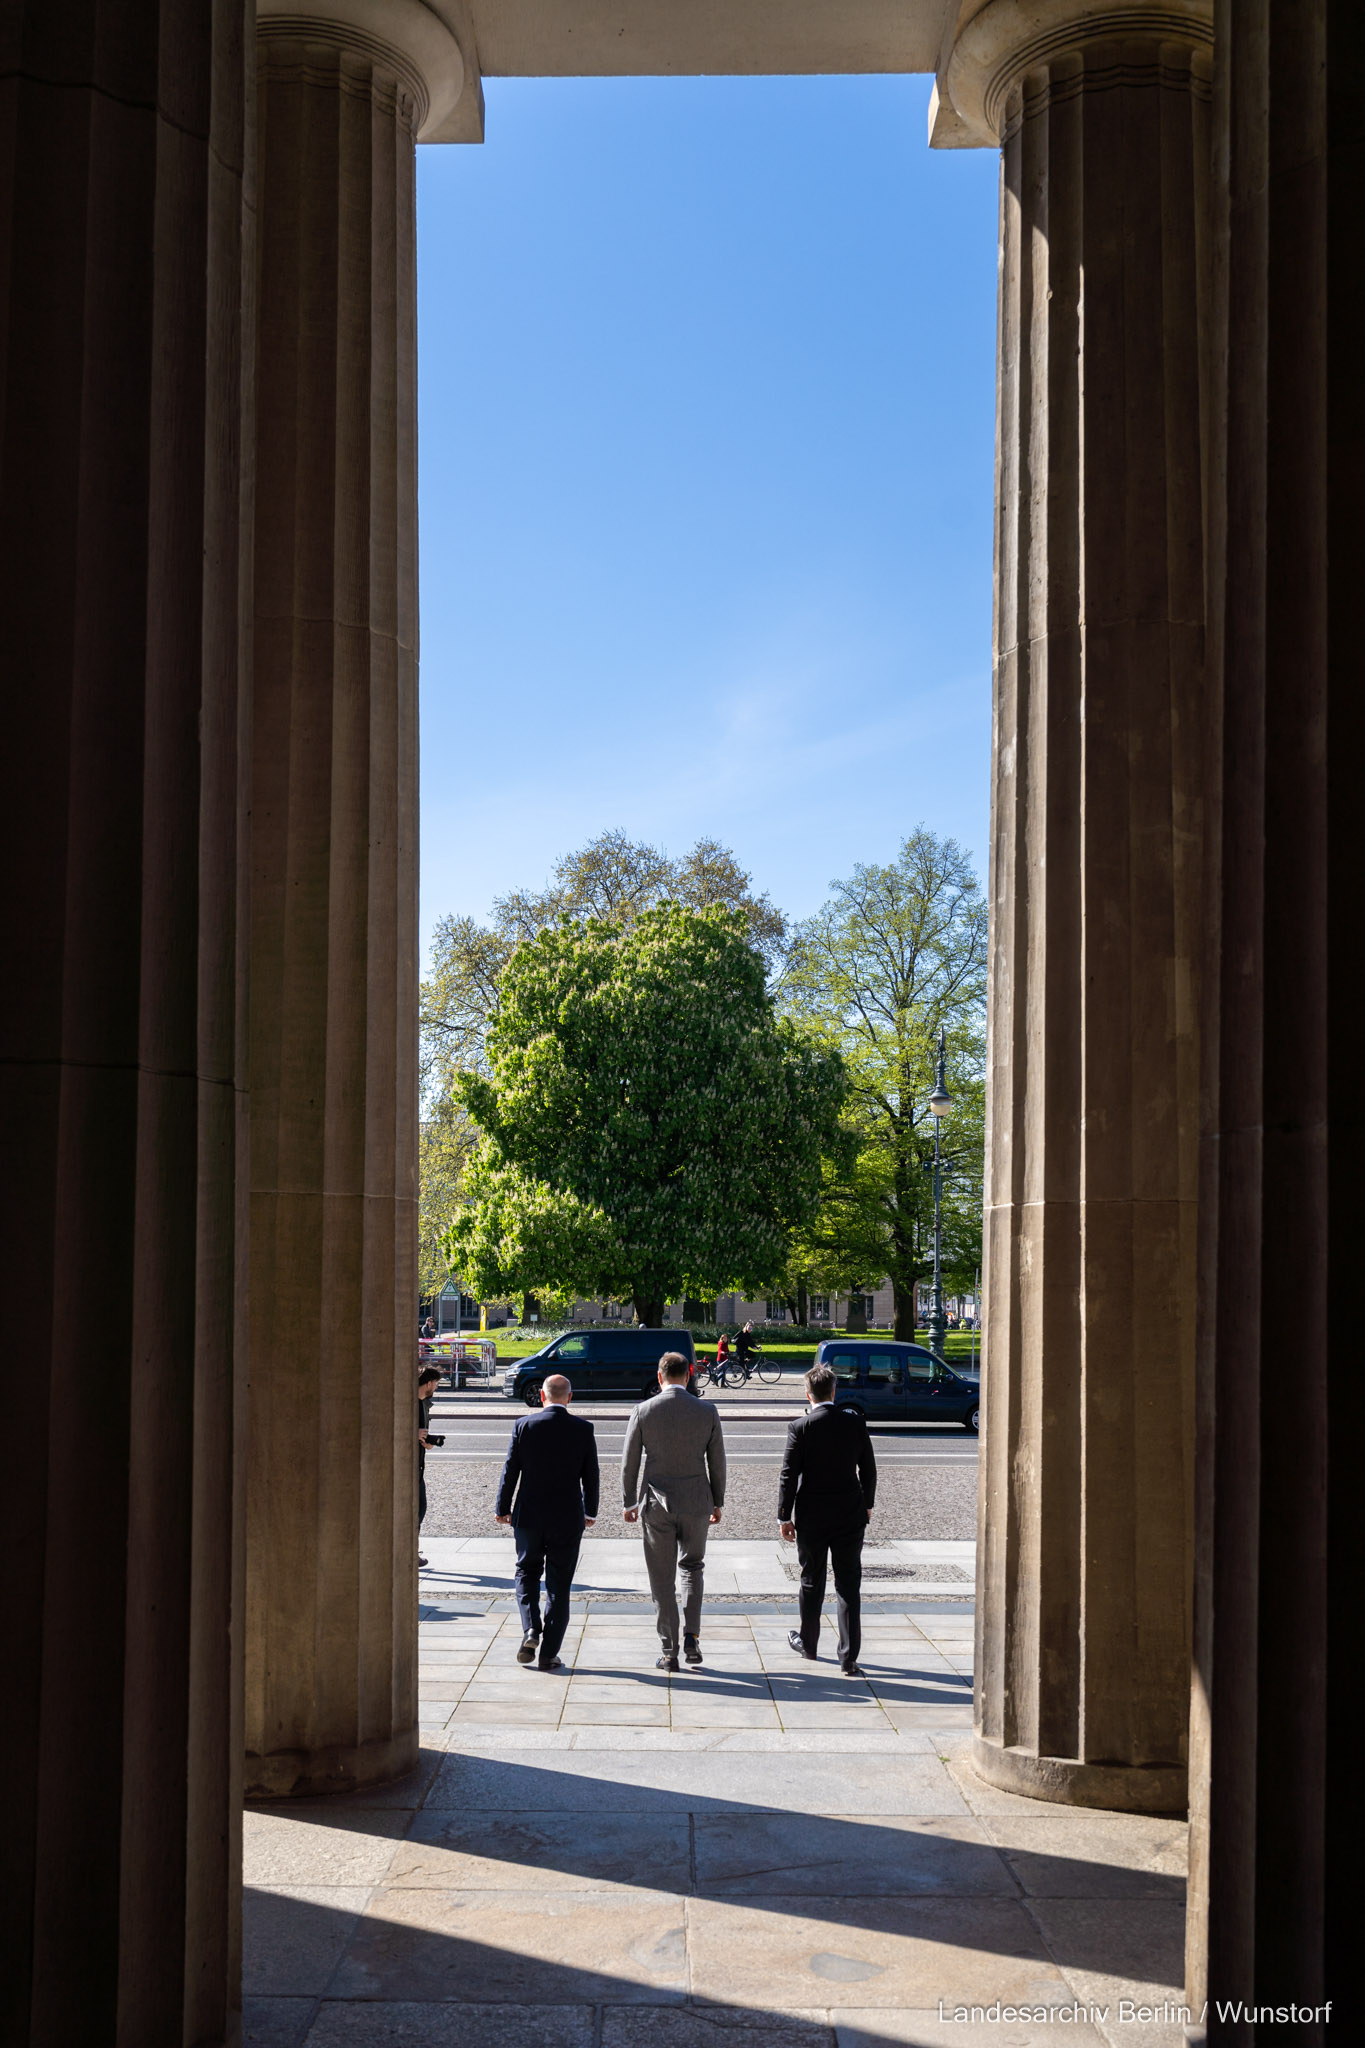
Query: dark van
column 898, row 1383
column 624, row 1363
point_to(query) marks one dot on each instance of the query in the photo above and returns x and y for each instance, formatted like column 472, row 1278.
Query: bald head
column 556, row 1390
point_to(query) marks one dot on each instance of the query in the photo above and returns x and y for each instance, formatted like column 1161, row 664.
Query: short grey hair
column 674, row 1366
column 557, row 1388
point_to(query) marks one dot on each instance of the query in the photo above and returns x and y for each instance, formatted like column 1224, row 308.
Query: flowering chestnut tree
column 650, row 1128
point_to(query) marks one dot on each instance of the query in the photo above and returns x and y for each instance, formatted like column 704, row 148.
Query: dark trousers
column 421, row 1488
column 843, row 1548
column 545, row 1553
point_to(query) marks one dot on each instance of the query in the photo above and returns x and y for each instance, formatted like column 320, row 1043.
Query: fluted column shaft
column 332, row 1588
column 1275, row 1799
column 1083, row 1612
column 123, row 132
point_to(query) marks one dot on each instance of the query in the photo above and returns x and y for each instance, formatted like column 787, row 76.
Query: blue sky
column 706, row 391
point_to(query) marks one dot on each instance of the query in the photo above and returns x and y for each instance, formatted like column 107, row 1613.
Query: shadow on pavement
column 602, row 1898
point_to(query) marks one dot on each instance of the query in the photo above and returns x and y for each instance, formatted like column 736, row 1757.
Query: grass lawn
column 792, row 1357
column 798, row 1357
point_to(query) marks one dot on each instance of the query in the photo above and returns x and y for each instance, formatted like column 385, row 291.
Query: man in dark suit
column 825, row 1497
column 551, row 1469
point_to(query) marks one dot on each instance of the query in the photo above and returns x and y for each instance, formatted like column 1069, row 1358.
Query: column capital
column 411, row 39
column 997, row 42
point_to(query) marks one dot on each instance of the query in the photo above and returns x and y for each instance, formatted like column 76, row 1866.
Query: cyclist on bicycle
column 722, row 1350
column 746, row 1346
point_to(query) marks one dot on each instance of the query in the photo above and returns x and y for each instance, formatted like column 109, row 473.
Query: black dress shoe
column 668, row 1662
column 527, row 1653
column 794, row 1638
column 550, row 1664
column 692, row 1649
column 851, row 1670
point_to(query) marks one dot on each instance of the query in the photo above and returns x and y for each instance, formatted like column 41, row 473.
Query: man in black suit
column 552, row 1470
column 825, row 1497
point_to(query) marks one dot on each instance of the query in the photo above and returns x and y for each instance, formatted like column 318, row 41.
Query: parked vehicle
column 620, row 1363
column 899, row 1383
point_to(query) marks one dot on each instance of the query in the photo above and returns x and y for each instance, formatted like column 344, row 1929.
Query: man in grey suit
column 677, row 1497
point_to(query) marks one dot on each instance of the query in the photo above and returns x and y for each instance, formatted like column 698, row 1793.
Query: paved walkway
column 757, row 1854
column 736, row 1567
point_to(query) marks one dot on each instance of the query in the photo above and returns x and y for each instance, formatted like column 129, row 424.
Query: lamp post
column 940, row 1102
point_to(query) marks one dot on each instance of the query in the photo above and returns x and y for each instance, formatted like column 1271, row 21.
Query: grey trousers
column 675, row 1542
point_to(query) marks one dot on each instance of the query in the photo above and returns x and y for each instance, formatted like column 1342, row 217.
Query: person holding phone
column 427, row 1380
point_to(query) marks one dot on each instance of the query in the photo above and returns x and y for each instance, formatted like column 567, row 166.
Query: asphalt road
column 926, row 1485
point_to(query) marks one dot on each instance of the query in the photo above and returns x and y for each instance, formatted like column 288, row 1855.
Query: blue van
column 624, row 1363
column 898, row 1383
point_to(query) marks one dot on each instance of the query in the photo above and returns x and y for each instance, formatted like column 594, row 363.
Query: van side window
column 883, row 1368
column 921, row 1366
column 572, row 1347
column 843, row 1364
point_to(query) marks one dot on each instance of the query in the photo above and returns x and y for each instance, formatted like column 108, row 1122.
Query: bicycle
column 758, row 1365
column 769, row 1370
column 727, row 1372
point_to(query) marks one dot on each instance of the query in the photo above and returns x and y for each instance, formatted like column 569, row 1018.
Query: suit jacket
column 552, row 1470
column 829, row 1475
column 680, row 1441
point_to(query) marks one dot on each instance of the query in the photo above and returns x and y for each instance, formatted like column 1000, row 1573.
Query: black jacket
column 552, row 1470
column 829, row 1475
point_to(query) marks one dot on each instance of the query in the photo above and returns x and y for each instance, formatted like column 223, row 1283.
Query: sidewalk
column 756, row 1854
column 736, row 1567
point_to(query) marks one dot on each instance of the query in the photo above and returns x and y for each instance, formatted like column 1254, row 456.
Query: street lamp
column 940, row 1102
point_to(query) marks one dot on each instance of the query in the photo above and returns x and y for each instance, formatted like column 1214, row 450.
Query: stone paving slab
column 1060, row 1852
column 561, row 1948
column 295, row 1936
column 664, row 1781
column 798, row 1855
column 1117, row 1949
column 410, row 2024
column 350, row 1847
column 757, row 1854
column 898, row 1951
column 331, row 2023
column 927, row 2029
column 734, row 1566
column 716, row 2027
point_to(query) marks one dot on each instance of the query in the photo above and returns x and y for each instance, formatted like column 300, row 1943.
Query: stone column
column 331, row 1695
column 1085, row 1542
column 1274, row 1796
column 123, row 132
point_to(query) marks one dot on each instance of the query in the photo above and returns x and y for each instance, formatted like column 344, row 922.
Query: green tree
column 445, row 1141
column 896, row 953
column 843, row 1249
column 616, row 879
column 458, row 998
column 612, row 878
column 652, row 1130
